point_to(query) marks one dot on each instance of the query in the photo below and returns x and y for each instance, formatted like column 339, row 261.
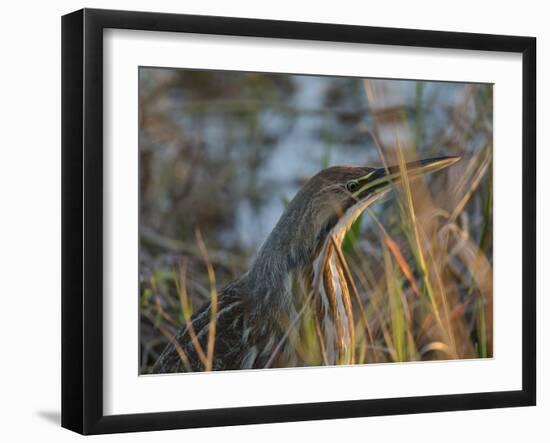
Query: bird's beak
column 381, row 178
column 418, row 168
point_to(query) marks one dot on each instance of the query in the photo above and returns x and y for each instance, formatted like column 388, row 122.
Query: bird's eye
column 352, row 186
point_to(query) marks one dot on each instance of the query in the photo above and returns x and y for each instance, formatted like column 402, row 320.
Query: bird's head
column 332, row 199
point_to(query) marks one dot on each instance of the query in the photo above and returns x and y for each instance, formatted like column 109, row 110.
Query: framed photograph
column 269, row 221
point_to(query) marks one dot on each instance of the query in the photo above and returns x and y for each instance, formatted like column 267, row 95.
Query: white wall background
column 30, row 275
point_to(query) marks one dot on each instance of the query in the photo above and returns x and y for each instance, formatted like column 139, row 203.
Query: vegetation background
column 223, row 152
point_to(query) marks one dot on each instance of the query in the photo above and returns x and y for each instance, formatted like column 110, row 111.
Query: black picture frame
column 82, row 220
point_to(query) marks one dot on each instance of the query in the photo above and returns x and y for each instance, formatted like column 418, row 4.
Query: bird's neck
column 296, row 243
column 293, row 269
column 282, row 260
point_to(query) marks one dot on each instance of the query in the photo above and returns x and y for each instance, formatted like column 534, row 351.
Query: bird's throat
column 332, row 287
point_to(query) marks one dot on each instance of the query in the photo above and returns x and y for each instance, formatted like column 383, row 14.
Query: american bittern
column 300, row 264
